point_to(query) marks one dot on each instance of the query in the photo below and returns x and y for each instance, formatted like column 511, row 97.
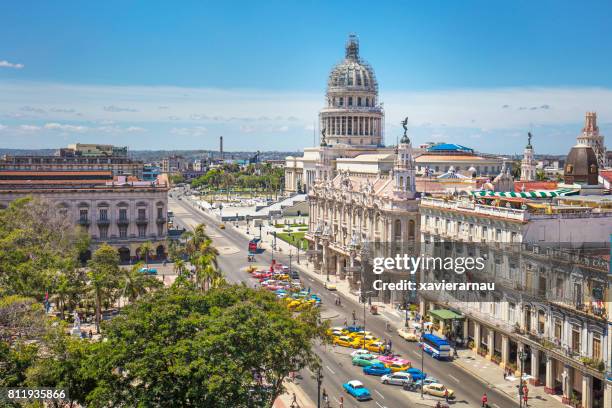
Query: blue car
column 416, row 374
column 376, row 369
column 357, row 390
column 148, row 271
column 353, row 329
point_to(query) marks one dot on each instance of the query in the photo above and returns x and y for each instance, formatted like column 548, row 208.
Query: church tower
column 528, row 164
column 590, row 136
column 404, row 168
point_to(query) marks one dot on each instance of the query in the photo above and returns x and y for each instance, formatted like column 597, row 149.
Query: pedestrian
column 345, row 323
column 294, row 401
column 446, row 394
column 90, row 334
column 525, row 399
column 484, row 400
column 341, row 402
column 390, row 344
column 324, row 395
column 505, row 375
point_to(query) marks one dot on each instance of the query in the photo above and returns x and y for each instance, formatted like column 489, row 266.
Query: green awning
column 527, row 194
column 445, row 314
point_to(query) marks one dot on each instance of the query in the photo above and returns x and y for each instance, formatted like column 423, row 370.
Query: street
column 336, row 362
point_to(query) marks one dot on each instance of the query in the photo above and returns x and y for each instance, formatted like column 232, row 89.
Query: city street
column 336, row 362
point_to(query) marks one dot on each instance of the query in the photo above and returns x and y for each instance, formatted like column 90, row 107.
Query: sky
column 177, row 75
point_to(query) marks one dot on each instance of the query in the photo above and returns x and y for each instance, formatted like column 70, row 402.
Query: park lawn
column 294, row 238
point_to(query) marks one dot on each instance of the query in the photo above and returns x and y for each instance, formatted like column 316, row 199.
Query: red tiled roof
column 606, row 175
column 534, row 185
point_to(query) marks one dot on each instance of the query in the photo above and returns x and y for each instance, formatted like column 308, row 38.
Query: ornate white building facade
column 528, row 164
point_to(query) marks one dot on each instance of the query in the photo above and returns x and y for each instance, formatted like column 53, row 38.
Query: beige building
column 122, row 213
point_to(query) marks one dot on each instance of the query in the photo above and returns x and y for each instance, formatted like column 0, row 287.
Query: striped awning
column 562, row 192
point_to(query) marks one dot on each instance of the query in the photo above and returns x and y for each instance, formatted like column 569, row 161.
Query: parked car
column 356, row 389
column 376, row 347
column 416, row 373
column 359, row 352
column 407, row 335
column 364, row 360
column 393, row 359
column 376, row 369
column 148, row 271
column 426, row 381
column 399, row 378
column 395, row 367
column 346, row 341
column 438, row 390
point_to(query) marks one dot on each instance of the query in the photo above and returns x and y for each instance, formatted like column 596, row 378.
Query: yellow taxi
column 282, row 276
column 395, row 367
column 407, row 334
column 438, row 390
column 294, row 304
column 346, row 341
column 376, row 347
column 361, row 333
column 337, row 329
column 221, row 226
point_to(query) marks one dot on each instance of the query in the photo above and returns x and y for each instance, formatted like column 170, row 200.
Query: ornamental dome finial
column 352, row 47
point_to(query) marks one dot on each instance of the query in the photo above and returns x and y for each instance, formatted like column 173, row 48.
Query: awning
column 562, row 192
column 445, row 314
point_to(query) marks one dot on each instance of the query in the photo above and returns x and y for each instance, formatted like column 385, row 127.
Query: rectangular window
column 142, row 231
column 123, row 213
column 141, row 214
column 103, row 231
column 558, row 328
column 123, row 231
column 160, row 212
column 576, row 339
column 596, row 347
column 83, row 215
column 103, row 214
column 359, row 101
column 350, row 101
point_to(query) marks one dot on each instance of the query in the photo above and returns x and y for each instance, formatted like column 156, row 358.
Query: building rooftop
column 449, row 147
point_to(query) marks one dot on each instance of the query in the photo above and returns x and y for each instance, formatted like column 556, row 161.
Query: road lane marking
column 453, row 377
column 379, row 394
column 332, row 371
column 495, row 405
column 379, row 404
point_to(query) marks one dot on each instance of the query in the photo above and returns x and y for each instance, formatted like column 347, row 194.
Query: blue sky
column 178, row 74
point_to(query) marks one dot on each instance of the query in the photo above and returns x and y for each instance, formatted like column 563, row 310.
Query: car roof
column 354, row 383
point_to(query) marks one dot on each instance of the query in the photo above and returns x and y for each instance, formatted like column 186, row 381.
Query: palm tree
column 145, row 250
column 195, row 238
column 103, row 273
column 136, row 283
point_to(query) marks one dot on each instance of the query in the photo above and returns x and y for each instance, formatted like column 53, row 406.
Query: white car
column 407, row 334
column 398, row 378
column 359, row 352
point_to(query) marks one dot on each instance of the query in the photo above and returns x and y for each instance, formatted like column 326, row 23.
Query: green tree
column 145, row 251
column 135, row 284
column 103, row 276
column 181, row 348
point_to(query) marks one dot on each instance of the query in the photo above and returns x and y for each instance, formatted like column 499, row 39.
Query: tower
column 590, row 136
column 221, row 146
column 324, row 168
column 404, row 167
column 528, row 165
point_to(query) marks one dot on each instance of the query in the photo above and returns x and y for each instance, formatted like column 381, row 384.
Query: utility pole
column 319, row 381
column 422, row 363
column 521, row 355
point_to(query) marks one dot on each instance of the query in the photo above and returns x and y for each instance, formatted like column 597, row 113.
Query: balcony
column 123, row 221
column 103, row 221
column 161, row 220
column 142, row 220
column 83, row 222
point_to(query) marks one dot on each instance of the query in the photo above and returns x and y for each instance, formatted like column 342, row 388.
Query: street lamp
column 364, row 294
column 290, row 255
column 522, row 357
column 422, row 363
column 319, row 381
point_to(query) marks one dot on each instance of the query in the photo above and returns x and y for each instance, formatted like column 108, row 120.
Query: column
column 476, row 337
column 422, row 309
column 567, row 384
column 339, row 268
column 505, row 351
column 587, row 391
column 519, row 348
column 608, row 394
column 465, row 331
column 549, row 387
column 491, row 343
column 535, row 366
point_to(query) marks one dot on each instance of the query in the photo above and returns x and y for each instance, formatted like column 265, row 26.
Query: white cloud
column 65, row 127
column 195, row 131
column 2, row 127
column 29, row 128
column 113, row 108
column 134, row 129
column 247, row 129
column 6, row 64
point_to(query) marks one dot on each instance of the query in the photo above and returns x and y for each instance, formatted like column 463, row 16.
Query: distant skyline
column 155, row 75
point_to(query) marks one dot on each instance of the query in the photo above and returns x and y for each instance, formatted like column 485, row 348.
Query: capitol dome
column 352, row 115
column 352, row 72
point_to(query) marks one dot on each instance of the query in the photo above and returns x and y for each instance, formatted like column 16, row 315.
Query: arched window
column 397, row 231
column 411, row 229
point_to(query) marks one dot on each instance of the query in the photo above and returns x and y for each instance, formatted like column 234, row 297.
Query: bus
column 438, row 347
column 254, row 246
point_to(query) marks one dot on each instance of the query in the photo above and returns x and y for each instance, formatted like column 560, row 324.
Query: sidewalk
column 493, row 375
column 285, row 400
